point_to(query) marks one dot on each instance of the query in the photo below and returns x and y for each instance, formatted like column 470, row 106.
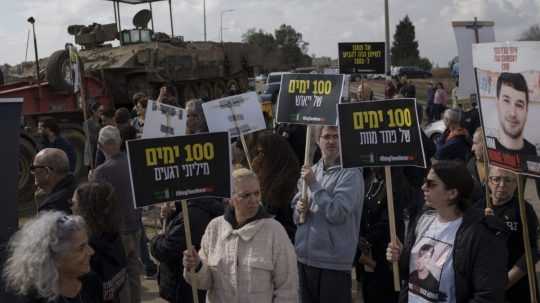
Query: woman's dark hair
column 454, row 175
column 122, row 116
column 278, row 169
column 99, row 207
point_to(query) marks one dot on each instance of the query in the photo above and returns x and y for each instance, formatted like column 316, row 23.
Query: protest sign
column 182, row 167
column 380, row 133
column 309, row 99
column 508, row 83
column 361, row 57
column 236, row 114
column 162, row 120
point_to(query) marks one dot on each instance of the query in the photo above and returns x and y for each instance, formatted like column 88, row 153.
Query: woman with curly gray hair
column 49, row 261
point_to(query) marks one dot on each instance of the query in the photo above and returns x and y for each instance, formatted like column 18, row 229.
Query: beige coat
column 255, row 263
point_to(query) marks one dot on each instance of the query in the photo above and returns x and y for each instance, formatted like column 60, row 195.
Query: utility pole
column 204, row 17
column 387, row 36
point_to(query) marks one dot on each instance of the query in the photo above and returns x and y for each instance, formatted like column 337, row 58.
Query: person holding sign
column 503, row 196
column 326, row 242
column 457, row 245
column 245, row 255
column 195, row 122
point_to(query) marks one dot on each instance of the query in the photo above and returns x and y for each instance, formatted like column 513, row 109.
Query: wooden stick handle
column 392, row 222
column 307, row 161
column 246, row 151
column 189, row 245
column 531, row 274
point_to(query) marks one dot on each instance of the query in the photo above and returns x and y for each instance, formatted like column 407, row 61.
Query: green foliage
column 286, row 38
column 265, row 40
column 404, row 48
column 424, row 64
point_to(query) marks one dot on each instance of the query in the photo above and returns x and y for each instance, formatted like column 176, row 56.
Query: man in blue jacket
column 326, row 242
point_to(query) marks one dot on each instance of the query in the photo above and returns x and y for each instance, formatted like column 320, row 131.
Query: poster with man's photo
column 508, row 83
column 430, row 257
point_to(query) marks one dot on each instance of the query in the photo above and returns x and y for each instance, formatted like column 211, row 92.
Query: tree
column 531, row 34
column 294, row 48
column 286, row 38
column 405, row 48
column 260, row 38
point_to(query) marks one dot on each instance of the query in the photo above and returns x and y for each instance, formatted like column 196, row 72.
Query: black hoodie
column 168, row 248
column 60, row 197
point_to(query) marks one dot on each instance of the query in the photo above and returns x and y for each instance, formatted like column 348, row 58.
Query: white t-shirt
column 431, row 270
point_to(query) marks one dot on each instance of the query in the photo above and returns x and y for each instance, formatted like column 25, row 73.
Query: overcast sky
column 323, row 23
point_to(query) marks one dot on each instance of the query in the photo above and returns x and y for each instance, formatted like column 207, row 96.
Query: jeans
column 131, row 245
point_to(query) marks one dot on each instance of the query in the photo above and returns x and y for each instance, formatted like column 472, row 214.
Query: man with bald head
column 52, row 175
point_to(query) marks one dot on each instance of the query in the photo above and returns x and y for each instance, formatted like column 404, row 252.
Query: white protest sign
column 162, row 120
column 235, row 113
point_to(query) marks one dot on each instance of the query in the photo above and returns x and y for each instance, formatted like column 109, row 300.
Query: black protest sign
column 309, row 99
column 183, row 167
column 361, row 57
column 380, row 133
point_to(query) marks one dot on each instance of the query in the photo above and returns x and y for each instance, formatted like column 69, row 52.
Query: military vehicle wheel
column 25, row 187
column 76, row 138
column 219, row 89
column 59, row 71
column 205, row 91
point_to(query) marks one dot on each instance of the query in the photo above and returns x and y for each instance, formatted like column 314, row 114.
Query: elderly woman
column 453, row 252
column 49, row 261
column 245, row 255
column 454, row 144
column 97, row 204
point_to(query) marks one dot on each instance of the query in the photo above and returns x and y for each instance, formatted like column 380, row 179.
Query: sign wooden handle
column 189, row 245
column 526, row 240
column 307, row 161
column 392, row 222
column 246, row 151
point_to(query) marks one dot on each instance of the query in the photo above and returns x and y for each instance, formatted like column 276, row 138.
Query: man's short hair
column 121, row 116
column 51, row 124
column 514, row 80
column 56, row 159
column 109, row 135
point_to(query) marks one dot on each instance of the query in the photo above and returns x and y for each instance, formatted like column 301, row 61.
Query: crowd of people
column 459, row 233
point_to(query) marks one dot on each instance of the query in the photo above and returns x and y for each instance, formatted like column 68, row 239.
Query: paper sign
column 240, row 112
column 380, row 133
column 176, row 168
column 309, row 99
column 162, row 120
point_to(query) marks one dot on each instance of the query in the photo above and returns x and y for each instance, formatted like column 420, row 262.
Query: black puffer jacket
column 168, row 248
column 479, row 259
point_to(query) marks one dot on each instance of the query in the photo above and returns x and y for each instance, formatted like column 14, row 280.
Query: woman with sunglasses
column 49, row 261
column 453, row 253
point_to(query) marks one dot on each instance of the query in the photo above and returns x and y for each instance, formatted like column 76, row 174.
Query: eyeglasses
column 328, row 137
column 430, row 183
column 498, row 179
column 34, row 167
